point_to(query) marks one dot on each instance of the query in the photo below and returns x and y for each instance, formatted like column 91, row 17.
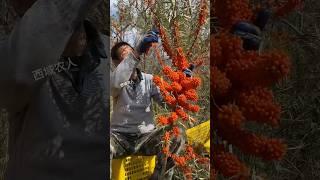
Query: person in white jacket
column 133, row 129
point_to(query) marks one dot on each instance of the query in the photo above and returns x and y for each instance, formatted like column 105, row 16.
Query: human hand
column 146, row 43
column 188, row 72
column 249, row 33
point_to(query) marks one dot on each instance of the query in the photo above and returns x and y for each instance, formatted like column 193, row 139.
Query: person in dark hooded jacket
column 54, row 86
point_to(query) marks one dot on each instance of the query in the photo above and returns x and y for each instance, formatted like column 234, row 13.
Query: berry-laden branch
column 180, row 94
column 240, row 91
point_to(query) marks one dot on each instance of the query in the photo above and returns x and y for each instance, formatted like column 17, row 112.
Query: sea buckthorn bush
column 241, row 82
column 184, row 38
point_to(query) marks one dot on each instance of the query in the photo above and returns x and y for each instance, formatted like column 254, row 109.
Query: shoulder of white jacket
column 147, row 76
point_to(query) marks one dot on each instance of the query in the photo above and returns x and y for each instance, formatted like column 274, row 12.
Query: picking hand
column 146, row 43
column 188, row 72
column 250, row 34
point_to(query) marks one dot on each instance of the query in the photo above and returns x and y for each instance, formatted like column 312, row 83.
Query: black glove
column 149, row 38
column 249, row 33
column 188, row 72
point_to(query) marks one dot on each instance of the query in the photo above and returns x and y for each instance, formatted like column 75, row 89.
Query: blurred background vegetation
column 299, row 94
column 99, row 16
column 298, row 34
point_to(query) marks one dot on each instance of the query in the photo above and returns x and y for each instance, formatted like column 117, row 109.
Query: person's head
column 120, row 51
column 21, row 6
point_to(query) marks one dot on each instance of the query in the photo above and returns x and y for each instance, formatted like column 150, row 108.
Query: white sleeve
column 122, row 73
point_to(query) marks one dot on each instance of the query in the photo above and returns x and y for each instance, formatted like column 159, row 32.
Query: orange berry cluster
column 257, row 69
column 220, row 83
column 230, row 12
column 165, row 40
column 203, row 13
column 179, row 93
column 182, row 161
column 258, row 105
column 240, row 92
column 250, row 143
column 240, row 82
column 228, row 165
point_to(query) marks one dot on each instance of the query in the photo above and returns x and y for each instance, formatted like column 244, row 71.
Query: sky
column 130, row 35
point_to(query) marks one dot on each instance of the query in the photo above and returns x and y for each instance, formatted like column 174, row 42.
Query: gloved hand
column 250, row 34
column 188, row 72
column 149, row 38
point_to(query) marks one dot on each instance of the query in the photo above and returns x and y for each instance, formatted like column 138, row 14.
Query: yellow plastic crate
column 141, row 167
column 207, row 145
column 133, row 167
column 199, row 134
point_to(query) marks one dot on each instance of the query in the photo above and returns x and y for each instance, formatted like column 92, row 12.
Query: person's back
column 58, row 107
